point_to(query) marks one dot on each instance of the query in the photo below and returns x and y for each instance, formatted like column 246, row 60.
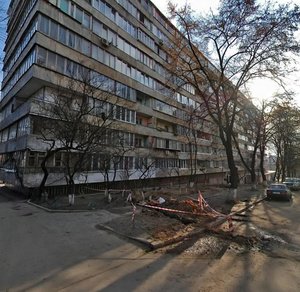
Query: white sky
column 260, row 89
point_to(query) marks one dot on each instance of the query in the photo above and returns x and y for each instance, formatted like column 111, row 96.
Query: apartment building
column 121, row 43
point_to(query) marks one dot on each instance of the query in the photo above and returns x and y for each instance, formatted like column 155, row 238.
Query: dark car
column 279, row 191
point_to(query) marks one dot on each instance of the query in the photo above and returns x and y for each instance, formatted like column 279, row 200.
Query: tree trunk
column 234, row 178
column 49, row 154
column 253, row 179
column 45, row 177
column 262, row 168
column 71, row 191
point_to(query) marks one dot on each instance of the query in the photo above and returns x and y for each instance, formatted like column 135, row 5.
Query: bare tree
column 193, row 132
column 75, row 120
column 285, row 126
column 266, row 134
column 145, row 165
column 251, row 128
column 243, row 40
column 112, row 155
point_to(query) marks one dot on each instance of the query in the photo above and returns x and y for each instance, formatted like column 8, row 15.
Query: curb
column 57, row 210
column 150, row 246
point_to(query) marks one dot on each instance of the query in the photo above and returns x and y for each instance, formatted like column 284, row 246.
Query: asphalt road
column 43, row 251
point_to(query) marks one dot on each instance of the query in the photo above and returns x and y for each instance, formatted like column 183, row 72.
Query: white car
column 293, row 183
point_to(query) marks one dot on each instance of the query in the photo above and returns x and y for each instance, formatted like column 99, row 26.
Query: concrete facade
column 122, row 42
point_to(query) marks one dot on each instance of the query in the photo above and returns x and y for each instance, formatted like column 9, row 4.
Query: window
column 86, row 47
column 78, row 43
column 126, row 162
column 97, row 27
column 44, row 26
column 31, row 159
column 42, row 55
column 62, row 35
column 71, row 40
column 23, row 127
column 86, row 20
column 40, row 157
column 51, row 60
column 53, row 30
column 95, row 162
column 71, row 69
column 58, row 159
column 60, row 64
column 79, row 14
column 12, row 131
column 64, row 5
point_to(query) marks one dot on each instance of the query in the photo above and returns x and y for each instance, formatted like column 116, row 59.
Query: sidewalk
column 129, row 219
column 117, row 201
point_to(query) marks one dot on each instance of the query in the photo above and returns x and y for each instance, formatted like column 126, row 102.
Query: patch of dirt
column 118, row 199
column 147, row 224
column 162, row 227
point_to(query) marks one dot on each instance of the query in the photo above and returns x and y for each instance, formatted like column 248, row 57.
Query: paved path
column 43, row 251
column 37, row 246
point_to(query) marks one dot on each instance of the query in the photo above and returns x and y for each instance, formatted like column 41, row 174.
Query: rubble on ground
column 173, row 220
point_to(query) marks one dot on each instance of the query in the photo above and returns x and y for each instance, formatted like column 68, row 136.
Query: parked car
column 293, row 183
column 279, row 191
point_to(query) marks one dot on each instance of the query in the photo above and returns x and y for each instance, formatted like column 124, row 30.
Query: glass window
column 120, row 43
column 40, row 157
column 103, row 32
column 42, row 55
column 86, row 47
column 118, row 65
column 97, row 26
column 64, row 5
column 111, row 61
column 58, row 159
column 94, row 52
column 106, row 58
column 78, row 43
column 75, row 71
column 101, row 7
column 12, row 131
column 62, row 35
column 111, row 36
column 86, row 20
column 79, row 14
column 51, row 60
column 69, row 67
column 53, row 30
column 83, row 74
column 71, row 40
column 133, row 52
column 60, row 64
column 45, row 25
column 100, row 55
column 31, row 159
column 127, row 48
column 96, row 4
column 72, row 9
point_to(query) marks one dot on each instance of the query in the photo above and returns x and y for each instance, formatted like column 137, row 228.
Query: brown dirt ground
column 148, row 224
